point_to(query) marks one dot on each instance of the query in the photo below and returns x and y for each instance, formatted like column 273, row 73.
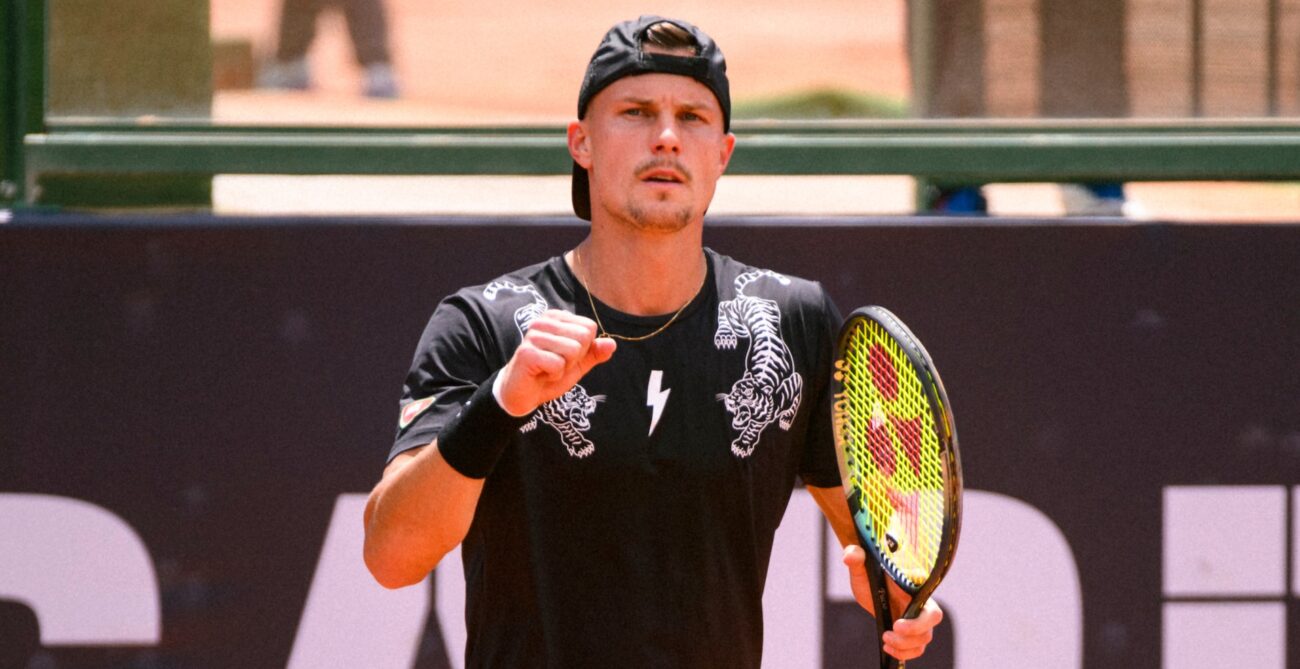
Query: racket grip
column 884, row 620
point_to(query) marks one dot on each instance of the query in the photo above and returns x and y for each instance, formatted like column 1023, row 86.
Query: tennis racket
column 898, row 460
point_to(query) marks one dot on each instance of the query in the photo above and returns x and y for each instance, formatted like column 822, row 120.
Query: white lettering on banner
column 1246, row 560
column 82, row 570
column 1014, row 590
column 1210, row 635
column 89, row 579
column 1247, row 556
column 449, row 590
column 349, row 620
column 1013, row 595
column 792, row 599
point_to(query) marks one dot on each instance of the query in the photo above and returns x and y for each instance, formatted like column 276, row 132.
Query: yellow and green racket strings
column 892, row 447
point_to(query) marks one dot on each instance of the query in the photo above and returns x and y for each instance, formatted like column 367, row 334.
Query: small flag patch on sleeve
column 412, row 410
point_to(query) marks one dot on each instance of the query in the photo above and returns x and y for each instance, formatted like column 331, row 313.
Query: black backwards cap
column 620, row 54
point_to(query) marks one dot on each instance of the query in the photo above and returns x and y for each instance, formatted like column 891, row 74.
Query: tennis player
column 612, row 435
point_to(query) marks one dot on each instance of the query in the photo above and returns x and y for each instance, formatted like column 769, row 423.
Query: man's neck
column 638, row 273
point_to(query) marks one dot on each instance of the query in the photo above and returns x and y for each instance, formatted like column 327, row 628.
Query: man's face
column 654, row 147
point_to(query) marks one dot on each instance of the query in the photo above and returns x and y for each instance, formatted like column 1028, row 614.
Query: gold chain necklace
column 601, row 327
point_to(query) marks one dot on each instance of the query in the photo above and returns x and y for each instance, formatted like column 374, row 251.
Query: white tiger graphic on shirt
column 525, row 315
column 770, row 389
column 569, row 414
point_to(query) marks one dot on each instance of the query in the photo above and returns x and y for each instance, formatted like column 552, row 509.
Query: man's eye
column 633, row 112
column 691, row 116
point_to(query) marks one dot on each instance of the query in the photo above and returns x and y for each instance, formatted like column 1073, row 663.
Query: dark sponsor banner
column 192, row 409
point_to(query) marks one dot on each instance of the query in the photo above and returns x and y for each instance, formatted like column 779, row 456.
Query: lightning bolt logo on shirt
column 656, row 398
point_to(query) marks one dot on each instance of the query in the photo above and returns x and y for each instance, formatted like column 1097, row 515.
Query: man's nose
column 666, row 138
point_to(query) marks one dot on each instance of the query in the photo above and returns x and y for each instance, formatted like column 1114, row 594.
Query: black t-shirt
column 631, row 522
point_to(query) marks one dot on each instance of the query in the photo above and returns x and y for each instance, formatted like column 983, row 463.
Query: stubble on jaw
column 663, row 222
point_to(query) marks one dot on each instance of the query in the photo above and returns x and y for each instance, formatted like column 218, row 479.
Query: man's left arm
column 908, row 638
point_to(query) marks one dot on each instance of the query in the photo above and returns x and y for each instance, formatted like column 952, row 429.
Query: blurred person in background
column 368, row 28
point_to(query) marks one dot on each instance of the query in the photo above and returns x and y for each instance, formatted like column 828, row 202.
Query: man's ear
column 580, row 144
column 728, row 147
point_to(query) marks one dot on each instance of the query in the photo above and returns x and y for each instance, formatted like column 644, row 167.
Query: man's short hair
column 670, row 37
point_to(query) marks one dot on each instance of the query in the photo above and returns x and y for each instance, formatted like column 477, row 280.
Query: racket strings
column 893, row 452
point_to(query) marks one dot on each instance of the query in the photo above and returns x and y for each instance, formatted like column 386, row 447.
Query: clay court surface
column 462, row 61
column 511, row 62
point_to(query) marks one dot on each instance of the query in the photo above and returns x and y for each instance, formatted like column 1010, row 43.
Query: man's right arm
column 422, row 508
column 418, row 512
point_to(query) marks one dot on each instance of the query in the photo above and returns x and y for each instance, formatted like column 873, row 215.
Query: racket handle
column 884, row 621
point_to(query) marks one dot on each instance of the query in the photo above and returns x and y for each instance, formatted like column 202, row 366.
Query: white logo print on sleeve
column 569, row 414
column 770, row 389
column 525, row 315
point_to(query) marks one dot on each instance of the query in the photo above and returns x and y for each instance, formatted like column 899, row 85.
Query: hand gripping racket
column 898, row 460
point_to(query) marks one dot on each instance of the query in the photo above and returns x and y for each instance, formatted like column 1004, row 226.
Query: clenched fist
column 558, row 350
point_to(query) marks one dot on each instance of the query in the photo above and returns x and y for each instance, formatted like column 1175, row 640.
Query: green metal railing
column 944, row 151
column 22, row 82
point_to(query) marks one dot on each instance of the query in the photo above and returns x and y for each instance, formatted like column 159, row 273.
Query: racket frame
column 950, row 465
